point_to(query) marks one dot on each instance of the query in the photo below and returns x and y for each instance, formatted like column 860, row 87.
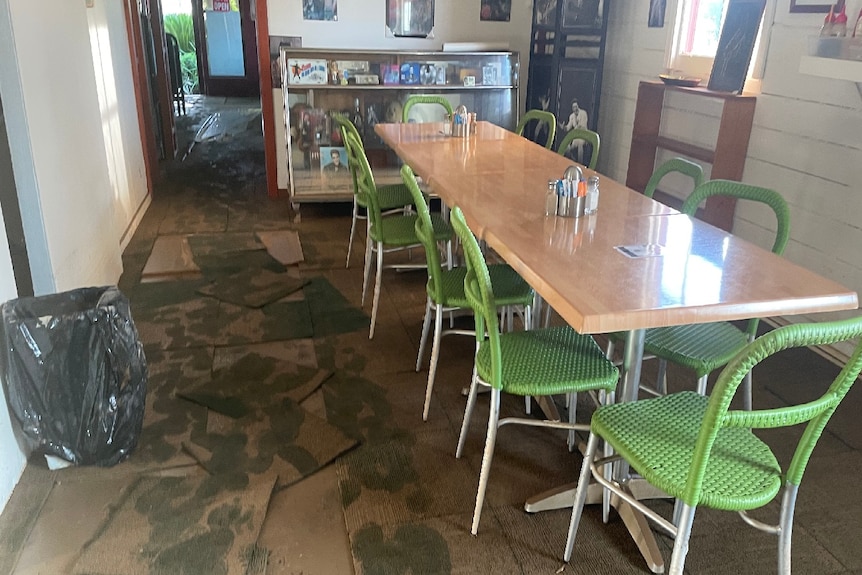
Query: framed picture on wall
column 808, row 6
column 576, row 107
column 410, row 18
column 582, row 14
column 545, row 13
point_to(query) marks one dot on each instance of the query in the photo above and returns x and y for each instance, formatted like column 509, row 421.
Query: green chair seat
column 547, row 362
column 701, row 347
column 509, row 287
column 400, row 230
column 658, row 437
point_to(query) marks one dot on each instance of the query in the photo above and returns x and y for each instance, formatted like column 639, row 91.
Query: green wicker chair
column 587, row 136
column 446, row 287
column 705, row 347
column 699, row 451
column 543, row 118
column 551, row 361
column 424, row 99
column 386, row 234
column 678, row 165
column 393, row 197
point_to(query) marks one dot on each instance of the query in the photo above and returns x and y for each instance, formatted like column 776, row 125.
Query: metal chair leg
column 377, row 285
column 366, row 274
column 680, row 543
column 468, row 411
column 352, row 231
column 487, row 457
column 701, row 384
column 788, row 505
column 580, row 495
column 423, row 339
column 435, row 354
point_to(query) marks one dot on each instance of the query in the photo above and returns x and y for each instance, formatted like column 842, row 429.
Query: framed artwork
column 320, row 10
column 576, row 106
column 545, row 13
column 808, row 6
column 496, row 10
column 410, row 18
column 582, row 14
column 657, row 9
column 539, row 96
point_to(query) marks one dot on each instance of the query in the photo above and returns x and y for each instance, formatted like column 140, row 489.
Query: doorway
column 227, row 47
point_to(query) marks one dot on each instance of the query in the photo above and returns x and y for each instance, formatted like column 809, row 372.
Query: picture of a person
column 577, row 121
column 540, row 132
column 335, row 167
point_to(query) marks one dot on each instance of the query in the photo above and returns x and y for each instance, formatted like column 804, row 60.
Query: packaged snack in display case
column 306, row 71
column 410, row 73
column 390, row 73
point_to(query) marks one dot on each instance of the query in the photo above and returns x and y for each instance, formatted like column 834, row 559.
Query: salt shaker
column 551, row 198
column 592, row 195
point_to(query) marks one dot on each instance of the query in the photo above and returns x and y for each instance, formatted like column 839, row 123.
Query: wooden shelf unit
column 727, row 155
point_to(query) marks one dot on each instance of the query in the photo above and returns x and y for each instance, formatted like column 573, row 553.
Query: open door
column 227, row 47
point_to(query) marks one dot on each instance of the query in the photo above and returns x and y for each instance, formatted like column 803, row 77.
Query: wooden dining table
column 634, row 264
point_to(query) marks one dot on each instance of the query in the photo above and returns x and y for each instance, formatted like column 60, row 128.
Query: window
column 696, row 35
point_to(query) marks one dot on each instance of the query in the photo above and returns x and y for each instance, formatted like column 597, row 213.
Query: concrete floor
column 51, row 518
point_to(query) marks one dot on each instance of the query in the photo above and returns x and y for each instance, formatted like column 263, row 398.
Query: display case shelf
column 368, row 84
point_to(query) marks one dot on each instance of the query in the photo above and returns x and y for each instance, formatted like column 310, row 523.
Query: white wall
column 12, row 459
column 58, row 147
column 69, row 104
column 361, row 25
column 805, row 140
column 120, row 126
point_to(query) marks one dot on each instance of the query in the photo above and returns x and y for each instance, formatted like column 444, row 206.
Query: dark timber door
column 227, row 47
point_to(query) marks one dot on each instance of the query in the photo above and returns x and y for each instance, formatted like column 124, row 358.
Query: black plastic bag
column 76, row 373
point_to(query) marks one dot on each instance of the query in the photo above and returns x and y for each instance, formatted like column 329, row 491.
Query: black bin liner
column 76, row 373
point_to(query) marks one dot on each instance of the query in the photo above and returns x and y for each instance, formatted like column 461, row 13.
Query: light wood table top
column 697, row 274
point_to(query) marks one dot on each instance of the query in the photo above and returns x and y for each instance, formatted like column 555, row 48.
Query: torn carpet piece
column 202, row 523
column 253, row 288
column 283, row 245
column 282, row 439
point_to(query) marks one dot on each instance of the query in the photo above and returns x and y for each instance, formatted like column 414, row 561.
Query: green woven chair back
column 542, row 117
column 815, row 414
column 346, row 126
column 366, row 190
column 424, row 99
column 477, row 288
column 742, row 191
column 678, row 165
column 425, row 233
column 588, row 136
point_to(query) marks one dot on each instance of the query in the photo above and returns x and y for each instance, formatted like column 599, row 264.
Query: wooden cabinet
column 566, row 58
column 371, row 87
column 727, row 156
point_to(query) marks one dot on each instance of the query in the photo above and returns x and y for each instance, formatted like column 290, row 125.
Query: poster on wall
column 545, row 13
column 584, row 14
column 576, row 108
column 496, row 11
column 657, row 9
column 320, row 10
column 410, row 18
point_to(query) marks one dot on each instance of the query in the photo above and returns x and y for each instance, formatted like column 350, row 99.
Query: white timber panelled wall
column 805, row 142
column 361, row 24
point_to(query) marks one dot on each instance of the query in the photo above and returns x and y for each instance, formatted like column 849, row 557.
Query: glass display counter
column 371, row 87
